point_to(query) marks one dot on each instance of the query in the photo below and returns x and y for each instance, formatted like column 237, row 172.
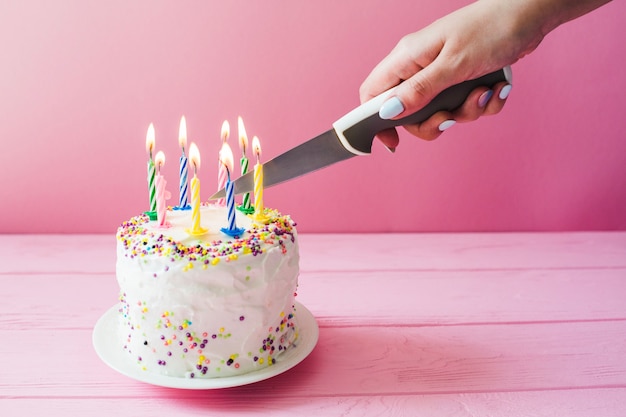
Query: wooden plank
column 570, row 403
column 24, row 254
column 501, row 324
column 31, row 254
column 423, row 298
column 431, row 298
column 355, row 361
column 462, row 251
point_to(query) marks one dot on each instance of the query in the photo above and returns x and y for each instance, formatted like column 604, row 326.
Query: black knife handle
column 357, row 129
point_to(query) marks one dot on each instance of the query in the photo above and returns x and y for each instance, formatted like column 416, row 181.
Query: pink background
column 81, row 80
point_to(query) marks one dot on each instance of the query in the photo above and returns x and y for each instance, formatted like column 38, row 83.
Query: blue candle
column 226, row 157
column 183, row 169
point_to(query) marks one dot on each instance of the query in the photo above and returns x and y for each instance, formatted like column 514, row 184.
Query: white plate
column 114, row 356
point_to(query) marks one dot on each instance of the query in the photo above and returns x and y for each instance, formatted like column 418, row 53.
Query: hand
column 468, row 43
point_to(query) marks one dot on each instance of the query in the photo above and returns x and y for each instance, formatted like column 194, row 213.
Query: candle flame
column 150, row 140
column 256, row 146
column 226, row 157
column 225, row 131
column 243, row 137
column 159, row 159
column 182, row 133
column 194, row 156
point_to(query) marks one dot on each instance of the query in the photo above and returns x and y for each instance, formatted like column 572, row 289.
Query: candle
column 183, row 169
column 161, row 194
column 226, row 158
column 259, row 214
column 243, row 145
column 150, row 139
column 221, row 173
column 196, row 228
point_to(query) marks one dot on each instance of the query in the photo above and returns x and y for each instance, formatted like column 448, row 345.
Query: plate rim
column 115, row 358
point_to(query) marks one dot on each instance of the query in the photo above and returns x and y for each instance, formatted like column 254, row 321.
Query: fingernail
column 391, row 150
column 391, row 108
column 484, row 98
column 446, row 125
column 506, row 90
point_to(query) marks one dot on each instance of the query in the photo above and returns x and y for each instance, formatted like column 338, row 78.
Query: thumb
column 418, row 90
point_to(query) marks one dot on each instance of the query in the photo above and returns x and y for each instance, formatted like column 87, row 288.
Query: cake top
column 144, row 238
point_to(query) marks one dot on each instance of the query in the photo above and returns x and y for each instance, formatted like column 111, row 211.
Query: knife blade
column 353, row 134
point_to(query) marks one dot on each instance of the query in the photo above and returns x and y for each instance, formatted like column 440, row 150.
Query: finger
column 496, row 103
column 474, row 106
column 389, row 138
column 418, row 90
column 433, row 127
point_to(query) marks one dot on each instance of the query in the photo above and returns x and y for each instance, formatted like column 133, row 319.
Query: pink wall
column 81, row 80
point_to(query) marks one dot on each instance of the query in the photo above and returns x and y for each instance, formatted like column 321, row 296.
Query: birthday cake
column 211, row 305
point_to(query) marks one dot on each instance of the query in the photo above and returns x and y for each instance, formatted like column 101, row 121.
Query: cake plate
column 112, row 355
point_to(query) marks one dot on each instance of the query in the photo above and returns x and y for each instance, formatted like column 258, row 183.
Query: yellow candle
column 259, row 214
column 196, row 228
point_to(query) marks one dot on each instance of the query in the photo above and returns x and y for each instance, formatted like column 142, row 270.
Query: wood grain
column 440, row 325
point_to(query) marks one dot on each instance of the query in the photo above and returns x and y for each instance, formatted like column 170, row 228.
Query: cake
column 207, row 306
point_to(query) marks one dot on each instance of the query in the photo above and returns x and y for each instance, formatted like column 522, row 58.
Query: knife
column 354, row 133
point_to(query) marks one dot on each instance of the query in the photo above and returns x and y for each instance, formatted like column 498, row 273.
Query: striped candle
column 183, row 169
column 245, row 203
column 243, row 145
column 258, row 181
column 226, row 158
column 150, row 140
column 183, row 187
column 230, row 203
column 196, row 228
column 152, row 185
column 195, row 204
column 161, row 194
column 221, row 173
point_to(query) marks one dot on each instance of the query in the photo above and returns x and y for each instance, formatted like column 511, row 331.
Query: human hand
column 477, row 39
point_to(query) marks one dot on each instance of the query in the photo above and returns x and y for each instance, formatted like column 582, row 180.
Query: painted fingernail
column 484, row 98
column 506, row 90
column 391, row 108
column 445, row 125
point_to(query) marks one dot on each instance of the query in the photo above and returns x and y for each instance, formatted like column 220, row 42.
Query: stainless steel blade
column 319, row 152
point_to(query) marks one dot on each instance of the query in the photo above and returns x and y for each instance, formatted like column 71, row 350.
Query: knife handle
column 357, row 129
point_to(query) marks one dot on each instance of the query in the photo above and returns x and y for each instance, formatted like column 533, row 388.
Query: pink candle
column 222, row 175
column 161, row 194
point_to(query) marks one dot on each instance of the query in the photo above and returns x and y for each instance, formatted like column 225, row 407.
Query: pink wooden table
column 415, row 324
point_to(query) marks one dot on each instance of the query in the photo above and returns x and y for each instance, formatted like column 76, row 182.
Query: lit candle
column 221, row 173
column 259, row 214
column 226, row 158
column 161, row 194
column 150, row 139
column 243, row 145
column 196, row 228
column 183, row 169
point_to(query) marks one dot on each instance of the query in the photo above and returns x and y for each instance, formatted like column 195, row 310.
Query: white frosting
column 209, row 306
